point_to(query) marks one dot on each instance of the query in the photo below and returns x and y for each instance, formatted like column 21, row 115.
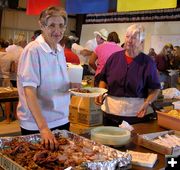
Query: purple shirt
column 131, row 80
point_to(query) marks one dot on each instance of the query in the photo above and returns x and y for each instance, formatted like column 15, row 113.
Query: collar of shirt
column 45, row 46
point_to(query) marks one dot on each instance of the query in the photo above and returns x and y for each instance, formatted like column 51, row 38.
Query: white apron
column 123, row 106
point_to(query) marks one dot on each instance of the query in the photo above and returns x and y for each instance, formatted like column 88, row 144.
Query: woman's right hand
column 48, row 139
column 99, row 100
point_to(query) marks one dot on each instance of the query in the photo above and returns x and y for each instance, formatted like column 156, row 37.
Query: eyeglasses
column 56, row 26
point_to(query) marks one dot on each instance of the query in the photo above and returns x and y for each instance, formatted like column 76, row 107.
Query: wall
column 152, row 29
column 14, row 21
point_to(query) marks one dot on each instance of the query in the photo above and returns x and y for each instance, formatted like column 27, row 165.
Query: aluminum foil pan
column 116, row 159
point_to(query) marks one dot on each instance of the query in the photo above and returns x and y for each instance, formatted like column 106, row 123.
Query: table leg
column 14, row 109
column 8, row 111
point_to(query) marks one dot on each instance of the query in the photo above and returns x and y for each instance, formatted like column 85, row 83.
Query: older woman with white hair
column 131, row 79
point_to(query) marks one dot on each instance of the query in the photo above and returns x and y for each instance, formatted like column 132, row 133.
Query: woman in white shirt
column 43, row 80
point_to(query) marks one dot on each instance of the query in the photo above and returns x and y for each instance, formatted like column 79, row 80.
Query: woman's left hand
column 143, row 110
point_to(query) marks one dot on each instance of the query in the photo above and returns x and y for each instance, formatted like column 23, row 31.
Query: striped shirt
column 44, row 69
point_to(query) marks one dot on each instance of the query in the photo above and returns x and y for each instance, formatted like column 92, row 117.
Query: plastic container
column 176, row 105
column 110, row 135
column 75, row 73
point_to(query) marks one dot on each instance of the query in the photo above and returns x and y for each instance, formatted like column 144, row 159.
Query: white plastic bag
column 170, row 93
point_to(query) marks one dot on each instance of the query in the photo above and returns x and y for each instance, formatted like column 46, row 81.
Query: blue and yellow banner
column 87, row 6
column 136, row 5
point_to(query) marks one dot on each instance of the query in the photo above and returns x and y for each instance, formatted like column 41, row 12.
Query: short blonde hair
column 19, row 38
column 52, row 12
column 137, row 28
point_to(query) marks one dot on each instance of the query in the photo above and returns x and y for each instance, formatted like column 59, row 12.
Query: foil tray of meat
column 74, row 152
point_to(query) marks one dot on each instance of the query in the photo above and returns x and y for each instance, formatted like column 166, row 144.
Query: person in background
column 36, row 34
column 8, row 69
column 8, row 80
column 132, row 81
column 4, row 75
column 14, row 52
column 18, row 44
column 71, row 57
column 100, row 37
column 164, row 63
column 175, row 66
column 43, row 81
column 3, row 45
column 152, row 53
column 176, row 54
column 102, row 53
column 90, row 45
column 10, row 41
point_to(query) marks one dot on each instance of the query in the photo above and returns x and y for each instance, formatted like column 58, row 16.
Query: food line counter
column 143, row 128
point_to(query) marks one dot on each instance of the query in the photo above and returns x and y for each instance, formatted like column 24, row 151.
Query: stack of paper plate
column 110, row 135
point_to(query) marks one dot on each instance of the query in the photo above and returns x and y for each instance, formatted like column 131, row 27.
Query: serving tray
column 116, row 159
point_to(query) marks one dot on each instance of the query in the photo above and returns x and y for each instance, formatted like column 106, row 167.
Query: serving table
column 141, row 128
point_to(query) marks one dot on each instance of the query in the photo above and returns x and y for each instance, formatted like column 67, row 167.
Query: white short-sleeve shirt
column 46, row 70
column 91, row 44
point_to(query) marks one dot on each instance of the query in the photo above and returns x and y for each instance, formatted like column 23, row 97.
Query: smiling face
column 53, row 22
column 54, row 29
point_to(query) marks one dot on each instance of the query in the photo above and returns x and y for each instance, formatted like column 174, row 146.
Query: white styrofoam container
column 176, row 105
column 75, row 73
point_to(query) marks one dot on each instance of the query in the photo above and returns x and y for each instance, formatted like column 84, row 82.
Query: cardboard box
column 79, row 129
column 73, row 114
column 84, row 103
column 90, row 119
column 84, row 111
column 146, row 141
column 168, row 121
column 84, row 117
